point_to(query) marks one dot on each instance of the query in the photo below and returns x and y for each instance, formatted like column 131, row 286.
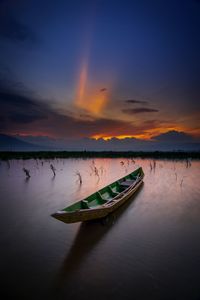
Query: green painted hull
column 102, row 202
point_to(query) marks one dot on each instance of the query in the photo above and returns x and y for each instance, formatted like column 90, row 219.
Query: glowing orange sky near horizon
column 147, row 135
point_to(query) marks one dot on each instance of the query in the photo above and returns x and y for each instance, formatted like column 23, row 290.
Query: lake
column 147, row 249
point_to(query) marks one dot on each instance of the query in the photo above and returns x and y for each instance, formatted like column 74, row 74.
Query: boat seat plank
column 127, row 183
column 84, row 204
column 113, row 192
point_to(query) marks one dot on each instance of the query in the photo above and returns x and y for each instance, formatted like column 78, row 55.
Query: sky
column 99, row 69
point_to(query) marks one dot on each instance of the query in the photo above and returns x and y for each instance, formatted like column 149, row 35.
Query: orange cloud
column 146, row 134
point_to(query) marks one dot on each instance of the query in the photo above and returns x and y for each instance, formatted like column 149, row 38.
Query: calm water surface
column 148, row 249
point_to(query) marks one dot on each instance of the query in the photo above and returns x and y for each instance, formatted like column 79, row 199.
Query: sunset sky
column 101, row 69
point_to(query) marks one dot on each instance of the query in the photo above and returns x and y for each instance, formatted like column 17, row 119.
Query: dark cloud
column 26, row 118
column 140, row 110
column 18, row 107
column 113, row 144
column 133, row 101
column 67, row 126
column 13, row 29
column 22, row 111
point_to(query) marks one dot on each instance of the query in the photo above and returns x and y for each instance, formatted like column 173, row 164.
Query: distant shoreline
column 99, row 154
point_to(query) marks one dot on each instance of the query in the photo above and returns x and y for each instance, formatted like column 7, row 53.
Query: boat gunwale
column 97, row 213
column 104, row 209
column 100, row 206
column 106, row 205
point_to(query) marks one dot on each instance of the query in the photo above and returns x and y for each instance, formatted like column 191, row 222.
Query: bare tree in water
column 79, row 177
column 27, row 172
column 53, row 169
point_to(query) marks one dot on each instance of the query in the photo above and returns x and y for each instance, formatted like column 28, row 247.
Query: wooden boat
column 102, row 202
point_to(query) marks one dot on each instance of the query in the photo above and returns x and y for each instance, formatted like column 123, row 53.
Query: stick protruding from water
column 53, row 169
column 27, row 172
column 79, row 177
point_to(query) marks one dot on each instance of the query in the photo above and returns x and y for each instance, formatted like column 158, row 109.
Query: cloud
column 23, row 112
column 26, row 118
column 140, row 110
column 19, row 107
column 133, row 101
column 13, row 29
column 114, row 144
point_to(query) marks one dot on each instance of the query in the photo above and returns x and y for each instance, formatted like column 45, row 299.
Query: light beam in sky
column 92, row 99
column 90, row 96
column 82, row 85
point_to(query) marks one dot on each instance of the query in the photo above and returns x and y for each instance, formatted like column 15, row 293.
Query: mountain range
column 169, row 141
